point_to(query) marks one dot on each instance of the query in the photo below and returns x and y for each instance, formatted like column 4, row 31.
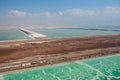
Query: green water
column 52, row 33
column 61, row 33
column 104, row 68
column 12, row 35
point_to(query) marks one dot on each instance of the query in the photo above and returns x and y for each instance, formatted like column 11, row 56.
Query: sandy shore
column 31, row 53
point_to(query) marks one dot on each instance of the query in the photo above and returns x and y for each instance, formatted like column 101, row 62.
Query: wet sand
column 31, row 53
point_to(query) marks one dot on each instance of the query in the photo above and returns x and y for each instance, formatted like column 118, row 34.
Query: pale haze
column 60, row 13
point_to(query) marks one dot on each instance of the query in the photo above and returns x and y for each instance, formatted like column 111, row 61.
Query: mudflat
column 31, row 53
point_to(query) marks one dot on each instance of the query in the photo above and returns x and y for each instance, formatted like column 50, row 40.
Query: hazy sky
column 60, row 12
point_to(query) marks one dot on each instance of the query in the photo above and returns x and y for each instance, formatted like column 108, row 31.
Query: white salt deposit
column 32, row 34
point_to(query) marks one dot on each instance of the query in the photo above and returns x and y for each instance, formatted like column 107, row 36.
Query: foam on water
column 104, row 68
column 92, row 68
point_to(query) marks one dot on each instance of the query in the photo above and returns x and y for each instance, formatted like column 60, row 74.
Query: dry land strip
column 16, row 55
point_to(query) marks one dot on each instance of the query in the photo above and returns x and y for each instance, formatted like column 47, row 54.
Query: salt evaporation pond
column 12, row 35
column 52, row 33
column 63, row 33
column 104, row 68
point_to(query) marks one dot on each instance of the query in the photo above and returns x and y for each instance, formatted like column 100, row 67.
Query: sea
column 102, row 68
column 8, row 35
column 15, row 34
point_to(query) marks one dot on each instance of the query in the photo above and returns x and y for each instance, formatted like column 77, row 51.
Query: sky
column 60, row 12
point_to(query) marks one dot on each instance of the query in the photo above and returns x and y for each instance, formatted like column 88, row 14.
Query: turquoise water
column 61, row 33
column 12, row 35
column 52, row 33
column 104, row 68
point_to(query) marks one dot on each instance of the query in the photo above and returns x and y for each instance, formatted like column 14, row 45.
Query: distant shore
column 40, row 52
column 96, row 29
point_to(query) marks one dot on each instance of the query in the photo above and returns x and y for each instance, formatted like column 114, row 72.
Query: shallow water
column 12, row 35
column 104, row 68
column 52, row 33
column 61, row 33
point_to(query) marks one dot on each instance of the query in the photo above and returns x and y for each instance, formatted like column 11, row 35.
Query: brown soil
column 51, row 51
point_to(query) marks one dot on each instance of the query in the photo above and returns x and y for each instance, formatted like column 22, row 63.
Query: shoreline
column 58, row 38
column 56, row 64
column 31, row 34
column 50, row 51
column 15, row 40
column 95, row 29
